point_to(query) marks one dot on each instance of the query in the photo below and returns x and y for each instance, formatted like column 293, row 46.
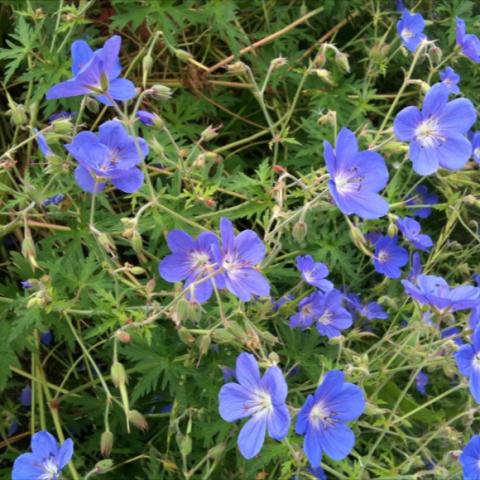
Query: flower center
column 325, row 318
column 476, row 152
column 383, row 256
column 347, row 181
column 428, row 134
column 262, row 402
column 50, row 470
column 199, row 260
column 319, row 414
column 406, row 34
column 308, row 276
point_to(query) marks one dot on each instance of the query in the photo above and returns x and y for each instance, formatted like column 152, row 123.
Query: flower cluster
column 322, row 419
column 208, row 262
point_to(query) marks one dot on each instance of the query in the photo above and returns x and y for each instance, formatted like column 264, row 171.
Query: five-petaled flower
column 470, row 459
column 469, row 44
column 389, row 257
column 46, row 460
column 112, row 155
column 468, row 363
column 410, row 29
column 237, row 257
column 356, row 177
column 313, row 273
column 423, row 197
column 437, row 132
column 95, row 73
column 191, row 261
column 411, row 230
column 261, row 398
column 450, row 78
column 324, row 415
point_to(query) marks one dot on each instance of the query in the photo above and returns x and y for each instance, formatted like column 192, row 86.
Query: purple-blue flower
column 470, row 459
column 111, row 155
column 191, row 261
column 468, row 363
column 238, row 257
column 46, row 460
column 422, row 197
column 356, row 177
column 421, row 381
column 452, row 332
column 326, row 311
column 46, row 338
column 370, row 311
column 53, row 200
column 277, row 304
column 410, row 29
column 469, row 44
column 437, row 132
column 411, row 230
column 435, row 292
column 314, row 273
column 146, row 118
column 25, row 397
column 26, row 285
column 476, row 147
column 42, row 144
column 261, row 398
column 389, row 257
column 95, row 73
column 450, row 78
column 416, row 268
column 324, row 415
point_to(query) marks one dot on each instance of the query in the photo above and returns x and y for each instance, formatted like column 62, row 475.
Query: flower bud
column 436, row 54
column 147, row 63
column 329, row 118
column 118, row 374
column 185, row 336
column 91, row 104
column 137, row 419
column 28, row 249
column 161, row 91
column 341, row 59
column 325, row 75
column 137, row 270
column 299, row 231
column 185, row 444
column 392, row 229
column 123, row 336
column 183, row 55
column 210, row 133
column 278, row 62
column 216, row 452
column 107, row 244
column 17, row 114
column 237, row 68
column 204, row 344
column 103, row 466
column 106, row 443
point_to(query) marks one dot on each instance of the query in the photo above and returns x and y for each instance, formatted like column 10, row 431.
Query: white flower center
column 476, row 361
column 347, row 182
column 383, row 256
column 326, row 318
column 199, row 259
column 262, row 402
column 406, row 34
column 318, row 414
column 476, row 152
column 308, row 276
column 428, row 134
column 50, row 470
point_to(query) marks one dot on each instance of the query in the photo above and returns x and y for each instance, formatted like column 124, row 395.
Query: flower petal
column 44, row 445
column 128, row 181
column 86, row 181
column 175, row 267
column 122, row 89
column 250, row 248
column 274, row 382
column 278, row 422
column 405, row 123
column 233, row 402
column 312, row 447
column 247, row 371
column 337, row 441
column 81, row 54
column 65, row 453
column 252, row 436
column 26, row 467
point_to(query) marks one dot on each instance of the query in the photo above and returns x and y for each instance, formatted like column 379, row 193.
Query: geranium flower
column 191, row 261
column 262, row 399
column 95, row 73
column 324, row 415
column 331, row 317
column 356, row 177
column 421, row 382
column 470, row 459
column 389, row 257
column 469, row 44
column 422, row 197
column 313, row 273
column 411, row 230
column 410, row 29
column 437, row 132
column 46, row 460
column 238, row 257
column 468, row 363
column 111, row 155
column 450, row 78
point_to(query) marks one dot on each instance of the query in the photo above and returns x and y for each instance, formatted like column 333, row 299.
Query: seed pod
column 299, row 231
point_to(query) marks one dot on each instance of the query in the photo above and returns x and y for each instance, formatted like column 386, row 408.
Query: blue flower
column 112, row 155
column 308, row 311
column 450, row 78
column 25, row 397
column 453, row 332
column 314, row 273
column 468, row 363
column 399, row 5
column 53, row 200
column 410, row 29
column 422, row 197
column 42, row 144
column 26, row 285
column 238, row 257
column 277, row 304
column 46, row 338
column 191, row 261
column 470, row 459
column 476, row 147
column 95, row 73
column 421, row 381
column 437, row 132
column 324, row 415
column 146, row 118
column 46, row 460
column 469, row 44
column 416, row 268
column 411, row 229
column 435, row 292
column 356, row 177
column 262, row 399
column 389, row 257
column 370, row 311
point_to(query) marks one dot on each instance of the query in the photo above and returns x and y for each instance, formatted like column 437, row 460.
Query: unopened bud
column 137, row 419
column 18, row 114
column 183, row 55
column 204, row 344
column 28, row 249
column 320, row 59
column 123, row 336
column 392, row 229
column 185, row 336
column 118, row 374
column 210, row 133
column 185, row 444
column 436, row 54
column 62, row 126
column 106, row 443
column 329, row 118
column 107, row 244
column 137, row 270
column 91, row 104
column 161, row 91
column 237, row 68
column 341, row 59
column 199, row 162
column 216, row 452
column 103, row 466
column 147, row 63
column 325, row 75
column 299, row 231
column 278, row 62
